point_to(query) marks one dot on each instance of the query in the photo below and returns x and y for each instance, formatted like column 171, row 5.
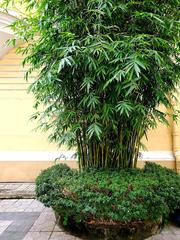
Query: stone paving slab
column 5, row 204
column 169, row 232
column 11, row 236
column 38, row 236
column 35, row 206
column 18, row 226
column 45, row 223
column 20, row 206
column 61, row 235
column 4, row 225
column 17, row 190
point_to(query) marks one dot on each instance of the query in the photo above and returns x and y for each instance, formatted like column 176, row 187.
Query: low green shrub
column 95, row 195
column 169, row 184
column 47, row 186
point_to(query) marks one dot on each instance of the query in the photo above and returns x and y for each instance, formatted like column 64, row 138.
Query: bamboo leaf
column 94, row 130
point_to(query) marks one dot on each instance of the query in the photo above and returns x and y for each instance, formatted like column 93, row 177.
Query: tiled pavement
column 28, row 219
column 17, row 190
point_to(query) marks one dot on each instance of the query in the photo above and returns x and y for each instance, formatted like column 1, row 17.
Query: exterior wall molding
column 36, row 155
column 157, row 155
column 70, row 155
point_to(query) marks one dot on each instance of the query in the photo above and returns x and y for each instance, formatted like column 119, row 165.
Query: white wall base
column 70, row 155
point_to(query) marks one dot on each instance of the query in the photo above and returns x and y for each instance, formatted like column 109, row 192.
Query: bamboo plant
column 105, row 67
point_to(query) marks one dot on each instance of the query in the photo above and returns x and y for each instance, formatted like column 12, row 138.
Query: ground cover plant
column 118, row 195
column 105, row 196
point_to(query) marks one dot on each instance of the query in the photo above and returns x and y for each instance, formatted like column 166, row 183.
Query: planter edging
column 139, row 230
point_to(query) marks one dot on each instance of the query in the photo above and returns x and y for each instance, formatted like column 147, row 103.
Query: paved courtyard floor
column 28, row 219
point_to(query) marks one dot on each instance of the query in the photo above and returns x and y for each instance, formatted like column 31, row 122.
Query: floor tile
column 61, row 236
column 4, row 225
column 12, row 236
column 20, row 206
column 21, row 225
column 37, row 236
column 58, row 228
column 175, row 230
column 45, row 222
column 164, row 237
column 170, row 237
column 168, row 229
column 18, row 215
column 46, row 209
column 6, row 204
column 35, row 206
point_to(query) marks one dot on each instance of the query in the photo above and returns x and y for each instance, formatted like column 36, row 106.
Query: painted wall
column 176, row 134
column 24, row 152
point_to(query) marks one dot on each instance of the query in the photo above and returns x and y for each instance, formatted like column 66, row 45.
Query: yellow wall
column 16, row 130
column 25, row 171
column 16, row 107
column 176, row 133
column 159, row 139
column 17, row 135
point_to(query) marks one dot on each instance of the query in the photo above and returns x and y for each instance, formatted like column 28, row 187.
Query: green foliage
column 170, row 182
column 104, row 68
column 111, row 195
column 46, row 183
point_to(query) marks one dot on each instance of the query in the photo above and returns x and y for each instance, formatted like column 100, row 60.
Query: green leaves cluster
column 147, row 194
column 104, row 68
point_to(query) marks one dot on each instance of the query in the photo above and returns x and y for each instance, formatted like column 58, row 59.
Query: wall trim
column 36, row 155
column 157, row 156
column 70, row 155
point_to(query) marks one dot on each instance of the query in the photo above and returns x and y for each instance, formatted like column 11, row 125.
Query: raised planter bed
column 138, row 230
column 112, row 205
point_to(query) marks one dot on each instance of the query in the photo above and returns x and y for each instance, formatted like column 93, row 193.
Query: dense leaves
column 104, row 68
column 130, row 195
